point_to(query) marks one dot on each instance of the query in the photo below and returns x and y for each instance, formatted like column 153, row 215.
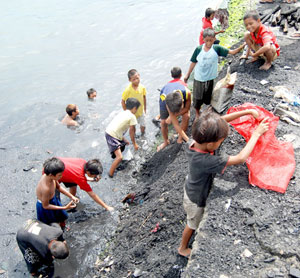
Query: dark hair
column 252, row 14
column 209, row 12
column 90, row 91
column 132, row 103
column 176, row 72
column 53, row 166
column 59, row 249
column 94, row 166
column 131, row 73
column 174, row 101
column 209, row 127
column 208, row 32
column 70, row 109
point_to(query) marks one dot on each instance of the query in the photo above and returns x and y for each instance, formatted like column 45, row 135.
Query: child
column 206, row 23
column 72, row 112
column 48, row 206
column 79, row 172
column 138, row 91
column 208, row 132
column 205, row 62
column 174, row 101
column 114, row 133
column 260, row 40
column 40, row 244
column 91, row 93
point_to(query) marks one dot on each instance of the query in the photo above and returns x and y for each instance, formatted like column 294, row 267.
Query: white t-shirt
column 120, row 124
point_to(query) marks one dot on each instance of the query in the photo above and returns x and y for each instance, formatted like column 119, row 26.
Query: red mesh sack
column 271, row 163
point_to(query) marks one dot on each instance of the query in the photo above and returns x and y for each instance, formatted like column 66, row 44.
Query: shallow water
column 51, row 53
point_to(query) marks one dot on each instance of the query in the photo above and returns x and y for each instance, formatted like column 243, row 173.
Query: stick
column 145, row 221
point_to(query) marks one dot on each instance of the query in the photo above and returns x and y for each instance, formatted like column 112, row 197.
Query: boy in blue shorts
column 208, row 132
column 205, row 62
column 48, row 206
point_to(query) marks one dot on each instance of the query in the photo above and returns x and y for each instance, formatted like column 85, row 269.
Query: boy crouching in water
column 115, row 131
column 48, row 206
column 260, row 40
column 208, row 132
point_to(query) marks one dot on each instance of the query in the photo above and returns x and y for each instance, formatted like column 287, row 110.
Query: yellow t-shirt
column 120, row 124
column 137, row 94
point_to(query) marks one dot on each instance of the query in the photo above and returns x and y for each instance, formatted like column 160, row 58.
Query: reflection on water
column 52, row 52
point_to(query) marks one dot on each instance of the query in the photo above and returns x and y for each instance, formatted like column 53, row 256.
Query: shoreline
column 137, row 248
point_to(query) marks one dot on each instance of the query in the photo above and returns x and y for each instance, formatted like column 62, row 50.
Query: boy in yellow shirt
column 137, row 91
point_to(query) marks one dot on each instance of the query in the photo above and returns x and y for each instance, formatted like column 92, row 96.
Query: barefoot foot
column 185, row 252
column 252, row 60
column 265, row 66
column 162, row 146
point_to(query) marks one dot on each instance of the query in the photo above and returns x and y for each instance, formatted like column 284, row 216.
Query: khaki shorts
column 194, row 213
column 141, row 120
column 256, row 47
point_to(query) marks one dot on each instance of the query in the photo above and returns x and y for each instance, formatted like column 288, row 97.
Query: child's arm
column 45, row 203
column 187, row 76
column 262, row 50
column 178, row 127
column 132, row 137
column 246, row 151
column 145, row 104
column 67, row 193
column 221, row 31
column 97, row 199
column 232, row 116
column 123, row 104
column 237, row 50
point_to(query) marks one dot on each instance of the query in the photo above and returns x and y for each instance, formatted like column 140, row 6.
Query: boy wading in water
column 260, row 40
column 48, row 206
column 70, row 118
column 208, row 132
column 205, row 62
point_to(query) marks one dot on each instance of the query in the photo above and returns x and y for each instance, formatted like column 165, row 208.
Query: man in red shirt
column 260, row 41
column 79, row 172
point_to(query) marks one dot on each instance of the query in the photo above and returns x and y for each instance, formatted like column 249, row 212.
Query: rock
column 137, row 273
column 246, row 254
column 249, row 221
column 269, row 260
column 294, row 272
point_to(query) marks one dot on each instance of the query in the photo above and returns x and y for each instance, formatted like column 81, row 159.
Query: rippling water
column 51, row 53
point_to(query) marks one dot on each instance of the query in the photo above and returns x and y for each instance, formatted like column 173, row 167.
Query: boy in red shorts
column 260, row 40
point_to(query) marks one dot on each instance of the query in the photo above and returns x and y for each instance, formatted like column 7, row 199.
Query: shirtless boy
column 48, row 206
column 70, row 118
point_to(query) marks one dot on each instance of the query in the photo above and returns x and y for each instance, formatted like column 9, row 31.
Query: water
column 52, row 52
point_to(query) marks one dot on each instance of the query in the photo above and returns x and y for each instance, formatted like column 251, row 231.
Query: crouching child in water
column 115, row 131
column 260, row 40
column 48, row 206
column 208, row 132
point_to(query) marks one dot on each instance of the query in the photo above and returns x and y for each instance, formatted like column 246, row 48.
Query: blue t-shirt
column 170, row 87
column 207, row 62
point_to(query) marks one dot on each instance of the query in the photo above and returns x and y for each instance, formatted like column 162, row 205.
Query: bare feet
column 265, row 66
column 252, row 60
column 162, row 146
column 179, row 140
column 185, row 252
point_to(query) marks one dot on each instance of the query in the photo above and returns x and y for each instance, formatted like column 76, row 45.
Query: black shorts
column 164, row 114
column 69, row 184
column 202, row 92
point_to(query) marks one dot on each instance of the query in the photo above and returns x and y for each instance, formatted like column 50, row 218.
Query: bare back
column 45, row 190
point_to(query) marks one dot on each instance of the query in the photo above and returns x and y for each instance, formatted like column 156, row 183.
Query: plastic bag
column 271, row 163
column 222, row 92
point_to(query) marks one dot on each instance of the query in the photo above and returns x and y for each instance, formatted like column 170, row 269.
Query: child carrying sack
column 223, row 91
column 271, row 163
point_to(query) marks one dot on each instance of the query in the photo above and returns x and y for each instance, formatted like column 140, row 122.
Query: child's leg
column 184, row 125
column 164, row 132
column 141, row 121
column 143, row 129
column 116, row 162
column 73, row 190
column 183, row 249
column 270, row 55
column 197, row 96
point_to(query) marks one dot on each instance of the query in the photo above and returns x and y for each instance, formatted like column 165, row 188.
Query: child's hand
column 221, row 31
column 108, row 208
column 254, row 113
column 263, row 127
column 186, row 78
column 127, row 142
column 75, row 200
column 136, row 146
column 70, row 205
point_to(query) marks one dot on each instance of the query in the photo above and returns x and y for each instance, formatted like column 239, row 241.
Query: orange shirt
column 265, row 35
